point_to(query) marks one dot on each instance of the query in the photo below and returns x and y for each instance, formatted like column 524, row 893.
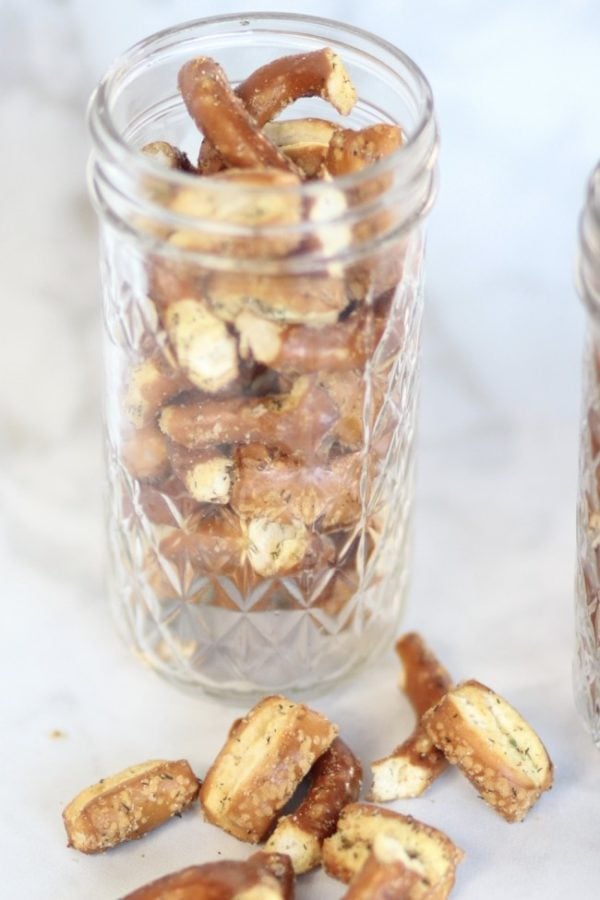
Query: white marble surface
column 518, row 91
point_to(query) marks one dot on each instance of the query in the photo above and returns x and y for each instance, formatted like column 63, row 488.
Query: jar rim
column 108, row 136
column 118, row 168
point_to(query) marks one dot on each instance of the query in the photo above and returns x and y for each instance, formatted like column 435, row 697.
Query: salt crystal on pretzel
column 272, row 87
column 335, row 781
column 223, row 118
column 416, row 763
column 264, row 876
column 265, row 756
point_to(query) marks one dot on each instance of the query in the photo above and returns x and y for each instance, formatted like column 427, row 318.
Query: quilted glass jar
column 260, row 369
column 587, row 656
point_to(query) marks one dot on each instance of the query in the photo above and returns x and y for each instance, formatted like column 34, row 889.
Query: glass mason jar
column 260, row 369
column 587, row 621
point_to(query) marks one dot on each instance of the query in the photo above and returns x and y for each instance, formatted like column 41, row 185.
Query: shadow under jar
column 260, row 370
column 587, row 598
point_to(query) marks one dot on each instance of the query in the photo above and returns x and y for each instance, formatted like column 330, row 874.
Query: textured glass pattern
column 185, row 582
column 587, row 658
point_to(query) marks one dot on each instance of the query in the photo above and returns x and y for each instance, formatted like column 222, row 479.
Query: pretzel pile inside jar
column 253, row 433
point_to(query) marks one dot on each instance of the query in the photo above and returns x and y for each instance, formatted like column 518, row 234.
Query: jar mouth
column 118, row 168
column 588, row 273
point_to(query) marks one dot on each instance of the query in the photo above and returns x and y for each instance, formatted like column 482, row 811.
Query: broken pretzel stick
column 129, row 804
column 223, row 118
column 272, row 87
column 336, row 779
column 416, row 763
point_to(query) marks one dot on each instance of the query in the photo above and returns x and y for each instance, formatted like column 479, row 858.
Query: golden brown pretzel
column 416, row 763
column 493, row 746
column 127, row 805
column 336, row 780
column 264, row 876
column 265, row 756
column 427, row 850
column 271, row 485
column 272, row 87
column 224, row 119
column 351, row 151
column 144, row 454
column 167, row 155
column 150, row 383
column 385, row 875
column 296, row 422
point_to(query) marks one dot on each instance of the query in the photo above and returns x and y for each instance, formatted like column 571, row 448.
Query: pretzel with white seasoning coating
column 427, row 850
column 385, row 875
column 416, row 763
column 264, row 876
column 336, row 780
column 128, row 804
column 150, row 383
column 265, row 756
column 223, row 118
column 493, row 746
column 272, row 87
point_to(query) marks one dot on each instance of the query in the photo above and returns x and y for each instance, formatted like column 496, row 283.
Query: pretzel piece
column 385, row 874
column 223, row 118
column 270, row 485
column 416, row 763
column 429, row 852
column 144, row 454
column 272, row 87
column 296, row 422
column 206, row 474
column 151, row 383
column 167, row 155
column 336, row 781
column 204, row 348
column 264, row 876
column 127, row 805
column 266, row 755
column 493, row 746
column 304, row 141
column 351, row 151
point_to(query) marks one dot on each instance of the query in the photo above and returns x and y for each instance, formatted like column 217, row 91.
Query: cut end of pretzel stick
column 386, row 875
column 493, row 746
column 265, row 757
column 412, row 767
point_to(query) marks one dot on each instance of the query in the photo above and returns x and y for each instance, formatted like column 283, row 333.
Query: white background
column 517, row 87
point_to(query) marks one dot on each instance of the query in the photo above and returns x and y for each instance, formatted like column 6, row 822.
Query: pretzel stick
column 415, row 763
column 275, row 85
column 264, row 876
column 336, row 781
column 223, row 118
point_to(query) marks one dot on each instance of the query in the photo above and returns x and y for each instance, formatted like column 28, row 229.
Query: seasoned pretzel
column 288, row 299
column 416, row 763
column 385, row 875
column 264, row 205
column 265, row 756
column 296, row 422
column 167, row 155
column 336, row 781
column 129, row 804
column 223, row 118
column 300, row 349
column 275, row 85
column 347, row 391
column 150, row 383
column 304, row 141
column 270, row 485
column 428, row 851
column 203, row 346
column 206, row 474
column 352, row 151
column 264, row 876
column 493, row 746
column 144, row 454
